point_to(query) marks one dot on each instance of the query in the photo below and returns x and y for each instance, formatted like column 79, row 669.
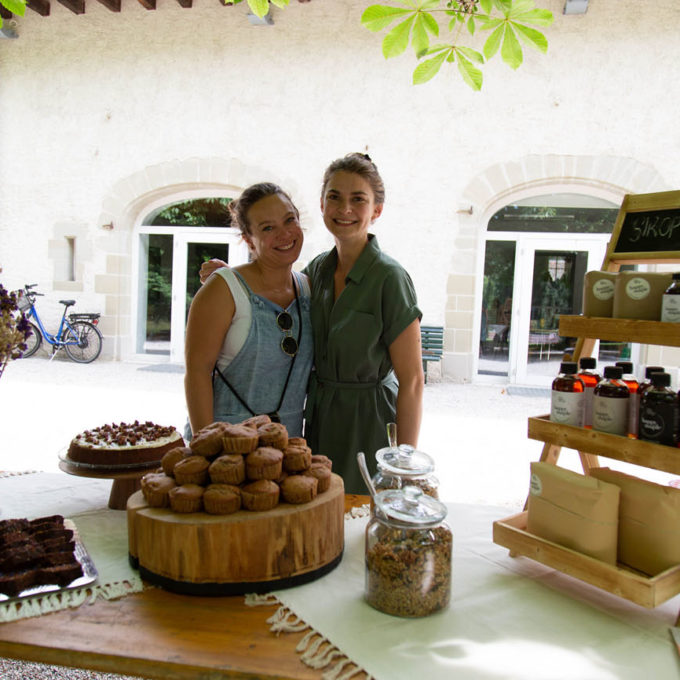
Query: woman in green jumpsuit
column 366, row 323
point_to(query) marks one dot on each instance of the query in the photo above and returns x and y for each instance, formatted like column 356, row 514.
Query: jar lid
column 410, row 506
column 404, row 460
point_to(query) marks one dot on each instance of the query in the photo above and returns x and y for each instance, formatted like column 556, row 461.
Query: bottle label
column 670, row 308
column 567, row 408
column 633, row 413
column 659, row 423
column 637, row 288
column 603, row 289
column 610, row 415
column 588, row 406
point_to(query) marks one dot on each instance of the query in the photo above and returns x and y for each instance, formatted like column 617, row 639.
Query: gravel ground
column 477, row 435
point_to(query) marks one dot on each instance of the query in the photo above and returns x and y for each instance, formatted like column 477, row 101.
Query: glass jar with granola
column 408, row 554
column 403, row 465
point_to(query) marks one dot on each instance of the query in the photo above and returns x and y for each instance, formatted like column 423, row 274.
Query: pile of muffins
column 227, row 467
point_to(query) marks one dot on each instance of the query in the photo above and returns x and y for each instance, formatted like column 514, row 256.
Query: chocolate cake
column 121, row 444
column 36, row 553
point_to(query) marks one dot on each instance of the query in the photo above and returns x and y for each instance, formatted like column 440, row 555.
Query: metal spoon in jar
column 363, row 468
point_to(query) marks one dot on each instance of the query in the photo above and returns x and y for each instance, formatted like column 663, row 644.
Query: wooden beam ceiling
column 42, row 7
column 113, row 5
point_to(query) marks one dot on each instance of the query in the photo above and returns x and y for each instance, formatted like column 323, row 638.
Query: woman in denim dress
column 248, row 345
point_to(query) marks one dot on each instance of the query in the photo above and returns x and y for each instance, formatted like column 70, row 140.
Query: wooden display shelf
column 647, row 591
column 621, row 330
column 638, row 452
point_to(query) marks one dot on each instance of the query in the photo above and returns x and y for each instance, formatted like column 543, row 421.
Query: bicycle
column 78, row 334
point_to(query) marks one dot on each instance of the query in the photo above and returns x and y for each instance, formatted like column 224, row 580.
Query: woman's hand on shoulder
column 209, row 267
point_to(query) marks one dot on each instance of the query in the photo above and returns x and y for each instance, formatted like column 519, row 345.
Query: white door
column 549, row 273
column 190, row 249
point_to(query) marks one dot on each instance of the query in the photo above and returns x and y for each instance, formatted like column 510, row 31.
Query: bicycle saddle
column 68, row 303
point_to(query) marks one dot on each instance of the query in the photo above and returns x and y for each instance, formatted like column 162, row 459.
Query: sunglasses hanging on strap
column 289, row 346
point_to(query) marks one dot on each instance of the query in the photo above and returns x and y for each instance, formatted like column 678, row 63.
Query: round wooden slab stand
column 125, row 481
column 245, row 552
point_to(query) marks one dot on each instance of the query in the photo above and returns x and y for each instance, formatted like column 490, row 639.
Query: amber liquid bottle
column 634, row 404
column 660, row 412
column 567, row 396
column 590, row 378
column 610, row 403
column 647, row 382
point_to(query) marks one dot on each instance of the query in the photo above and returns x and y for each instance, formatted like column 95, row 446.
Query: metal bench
column 432, row 343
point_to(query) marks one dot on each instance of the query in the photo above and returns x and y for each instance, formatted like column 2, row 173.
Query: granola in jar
column 408, row 554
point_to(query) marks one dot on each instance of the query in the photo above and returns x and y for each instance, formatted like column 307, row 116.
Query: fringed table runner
column 508, row 618
column 102, row 531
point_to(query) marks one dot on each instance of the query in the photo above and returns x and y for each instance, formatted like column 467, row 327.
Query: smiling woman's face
column 275, row 232
column 348, row 205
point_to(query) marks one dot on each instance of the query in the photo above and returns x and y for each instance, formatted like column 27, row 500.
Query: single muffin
column 323, row 460
column 264, row 463
column 172, row 457
column 155, row 488
column 261, row 495
column 186, row 498
column 221, row 499
column 274, row 435
column 322, row 474
column 297, row 458
column 256, row 421
column 239, row 439
column 192, row 470
column 299, row 489
column 208, row 440
column 297, row 441
column 228, row 469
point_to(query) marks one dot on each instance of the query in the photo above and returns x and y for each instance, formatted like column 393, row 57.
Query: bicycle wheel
column 33, row 342
column 83, row 342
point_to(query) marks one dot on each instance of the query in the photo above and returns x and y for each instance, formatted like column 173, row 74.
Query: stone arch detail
column 129, row 199
column 608, row 177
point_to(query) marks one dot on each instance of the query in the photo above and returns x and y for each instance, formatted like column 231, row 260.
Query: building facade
column 108, row 117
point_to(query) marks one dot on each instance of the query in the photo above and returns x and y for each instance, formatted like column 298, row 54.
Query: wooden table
column 157, row 634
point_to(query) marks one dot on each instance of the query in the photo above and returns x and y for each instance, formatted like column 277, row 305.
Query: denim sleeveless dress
column 258, row 372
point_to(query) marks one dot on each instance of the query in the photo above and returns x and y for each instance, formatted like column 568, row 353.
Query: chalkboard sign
column 647, row 229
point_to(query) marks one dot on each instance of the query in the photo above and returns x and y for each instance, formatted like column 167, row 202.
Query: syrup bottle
column 660, row 412
column 590, row 378
column 567, row 396
column 634, row 404
column 670, row 302
column 647, row 382
column 610, row 403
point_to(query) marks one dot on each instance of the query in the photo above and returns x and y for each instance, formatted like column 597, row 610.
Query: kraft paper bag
column 649, row 522
column 598, row 293
column 638, row 295
column 573, row 510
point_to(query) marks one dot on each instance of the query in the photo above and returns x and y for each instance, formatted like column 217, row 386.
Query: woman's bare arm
column 210, row 316
column 406, row 356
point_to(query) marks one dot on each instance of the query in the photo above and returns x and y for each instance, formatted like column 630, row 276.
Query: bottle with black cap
column 670, row 302
column 610, row 403
column 590, row 378
column 660, row 412
column 566, row 396
column 647, row 382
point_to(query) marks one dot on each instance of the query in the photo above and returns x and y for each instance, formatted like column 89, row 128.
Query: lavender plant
column 14, row 328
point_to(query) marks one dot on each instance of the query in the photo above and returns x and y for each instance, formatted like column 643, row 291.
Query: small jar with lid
column 408, row 554
column 402, row 465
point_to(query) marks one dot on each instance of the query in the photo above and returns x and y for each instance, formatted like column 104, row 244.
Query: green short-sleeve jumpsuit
column 353, row 389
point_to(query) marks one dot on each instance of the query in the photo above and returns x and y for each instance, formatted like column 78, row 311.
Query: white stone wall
column 94, row 109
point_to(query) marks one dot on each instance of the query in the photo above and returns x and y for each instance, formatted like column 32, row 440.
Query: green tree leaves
column 510, row 23
column 17, row 7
